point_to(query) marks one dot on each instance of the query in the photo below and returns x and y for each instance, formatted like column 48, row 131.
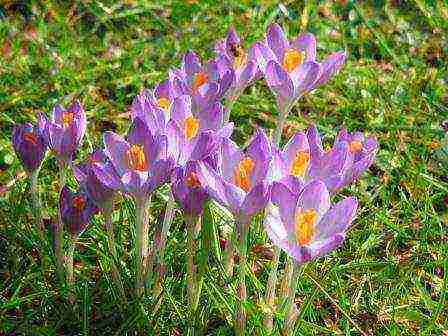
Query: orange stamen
column 191, row 127
column 163, row 103
column 193, row 181
column 300, row 163
column 355, row 146
column 79, row 203
column 304, row 226
column 199, row 79
column 136, row 158
column 31, row 138
column 292, row 59
column 243, row 172
column 68, row 118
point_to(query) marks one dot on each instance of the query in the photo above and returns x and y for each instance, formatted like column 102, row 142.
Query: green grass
column 390, row 276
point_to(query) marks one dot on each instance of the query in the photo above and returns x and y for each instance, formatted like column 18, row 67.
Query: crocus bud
column 29, row 145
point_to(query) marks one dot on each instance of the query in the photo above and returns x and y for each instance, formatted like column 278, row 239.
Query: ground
column 389, row 277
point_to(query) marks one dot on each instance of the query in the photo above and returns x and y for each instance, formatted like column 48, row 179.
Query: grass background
column 390, row 276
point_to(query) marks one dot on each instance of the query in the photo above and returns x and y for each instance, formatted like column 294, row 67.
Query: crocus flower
column 195, row 135
column 65, row 132
column 206, row 84
column 290, row 66
column 305, row 224
column 231, row 55
column 359, row 152
column 86, row 177
column 188, row 190
column 77, row 209
column 239, row 180
column 30, row 146
column 154, row 107
column 139, row 163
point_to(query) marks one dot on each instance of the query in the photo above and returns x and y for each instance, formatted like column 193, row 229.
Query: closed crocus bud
column 29, row 145
column 77, row 209
column 305, row 225
column 65, row 131
column 85, row 175
column 188, row 190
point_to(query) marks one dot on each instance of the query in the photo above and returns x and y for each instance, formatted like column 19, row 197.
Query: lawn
column 389, row 277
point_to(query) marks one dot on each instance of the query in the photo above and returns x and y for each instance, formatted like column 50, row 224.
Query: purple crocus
column 30, row 146
column 138, row 164
column 305, row 224
column 303, row 159
column 206, row 84
column 350, row 156
column 65, row 132
column 230, row 54
column 76, row 210
column 239, row 180
column 290, row 66
column 154, row 107
column 195, row 135
column 86, row 177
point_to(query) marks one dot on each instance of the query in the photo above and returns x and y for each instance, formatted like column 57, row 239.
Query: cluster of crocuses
column 180, row 134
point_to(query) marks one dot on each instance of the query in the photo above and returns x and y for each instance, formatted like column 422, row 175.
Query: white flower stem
column 290, row 315
column 58, row 231
column 240, row 318
column 70, row 273
column 141, row 242
column 37, row 207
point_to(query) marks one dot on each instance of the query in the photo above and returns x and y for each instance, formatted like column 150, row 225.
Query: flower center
column 193, row 181
column 243, row 172
column 199, row 79
column 239, row 55
column 31, row 138
column 300, row 163
column 191, row 127
column 136, row 158
column 163, row 103
column 292, row 59
column 355, row 146
column 79, row 203
column 304, row 226
column 67, row 118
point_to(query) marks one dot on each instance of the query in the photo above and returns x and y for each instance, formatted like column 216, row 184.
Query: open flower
column 188, row 190
column 304, row 224
column 65, row 132
column 85, row 175
column 30, row 145
column 139, row 163
column 77, row 209
column 195, row 135
column 360, row 154
column 230, row 54
column 290, row 66
column 239, row 181
column 154, row 107
column 205, row 84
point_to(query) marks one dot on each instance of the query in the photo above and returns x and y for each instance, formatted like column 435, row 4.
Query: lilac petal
column 206, row 145
column 255, row 200
column 234, row 197
column 355, row 171
column 342, row 135
column 115, row 149
column 297, row 143
column 226, row 131
column 277, row 168
column 330, row 66
column 81, row 120
column 139, row 132
column 107, row 175
column 43, row 126
column 331, row 163
column 370, row 144
column 314, row 196
column 277, row 41
column 161, row 171
column 57, row 116
column 261, row 55
column 164, row 90
column 176, row 140
column 225, row 82
column 307, row 43
column 232, row 38
column 322, row 247
column 153, row 116
column 247, row 75
column 211, row 117
column 191, row 63
column 279, row 82
column 220, row 48
column 315, row 143
column 305, row 77
column 286, row 201
column 337, row 219
column 259, row 150
column 231, row 157
column 181, row 109
column 134, row 183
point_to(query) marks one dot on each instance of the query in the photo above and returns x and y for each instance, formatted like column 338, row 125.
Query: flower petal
column 277, row 41
column 337, row 219
column 307, row 43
